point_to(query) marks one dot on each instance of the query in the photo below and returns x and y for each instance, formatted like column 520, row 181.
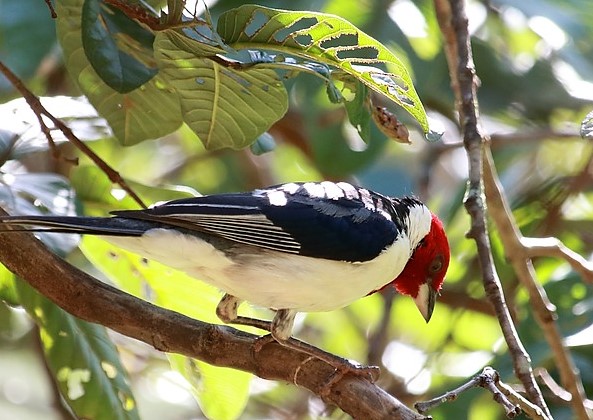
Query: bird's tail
column 113, row 226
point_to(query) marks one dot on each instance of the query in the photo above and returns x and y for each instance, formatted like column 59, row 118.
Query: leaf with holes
column 328, row 39
column 223, row 106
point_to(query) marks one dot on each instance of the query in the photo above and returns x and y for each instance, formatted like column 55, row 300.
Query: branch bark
column 454, row 26
column 519, row 257
column 87, row 298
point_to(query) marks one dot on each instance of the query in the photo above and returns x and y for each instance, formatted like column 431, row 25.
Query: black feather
column 322, row 220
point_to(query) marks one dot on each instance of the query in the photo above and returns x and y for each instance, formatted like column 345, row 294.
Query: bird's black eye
column 436, row 264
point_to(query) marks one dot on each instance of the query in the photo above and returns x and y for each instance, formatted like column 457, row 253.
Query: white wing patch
column 254, row 230
column 277, row 198
column 290, row 187
column 332, row 190
column 314, row 189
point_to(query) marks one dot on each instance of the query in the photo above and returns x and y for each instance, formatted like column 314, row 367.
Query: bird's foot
column 341, row 365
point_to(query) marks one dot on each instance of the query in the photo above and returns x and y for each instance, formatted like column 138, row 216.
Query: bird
column 294, row 247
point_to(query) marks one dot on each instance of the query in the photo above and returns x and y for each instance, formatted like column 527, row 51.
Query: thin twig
column 543, row 309
column 554, row 248
column 40, row 111
column 454, row 26
column 52, row 11
column 559, row 392
column 532, row 410
column 519, row 137
column 487, row 379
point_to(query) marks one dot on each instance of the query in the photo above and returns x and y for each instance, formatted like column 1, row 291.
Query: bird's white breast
column 272, row 279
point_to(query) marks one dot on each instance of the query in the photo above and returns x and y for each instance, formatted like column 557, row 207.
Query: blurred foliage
column 535, row 62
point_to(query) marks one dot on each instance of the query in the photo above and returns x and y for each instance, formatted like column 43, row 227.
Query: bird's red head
column 424, row 274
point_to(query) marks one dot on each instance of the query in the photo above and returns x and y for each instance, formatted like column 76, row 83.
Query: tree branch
column 89, row 299
column 519, row 256
column 554, row 248
column 454, row 26
column 488, row 379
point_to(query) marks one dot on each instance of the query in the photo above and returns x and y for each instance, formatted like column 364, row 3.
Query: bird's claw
column 341, row 365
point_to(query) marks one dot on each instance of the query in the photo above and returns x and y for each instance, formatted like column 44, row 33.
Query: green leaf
column 358, row 112
column 82, row 359
column 326, row 38
column 93, row 187
column 8, row 292
column 148, row 112
column 223, row 106
column 118, row 48
column 222, row 393
column 100, row 195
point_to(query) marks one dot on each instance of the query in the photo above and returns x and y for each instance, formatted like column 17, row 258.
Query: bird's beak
column 425, row 300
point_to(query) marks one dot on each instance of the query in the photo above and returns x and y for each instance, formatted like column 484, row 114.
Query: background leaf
column 27, row 35
column 145, row 113
column 21, row 133
column 118, row 48
column 83, row 360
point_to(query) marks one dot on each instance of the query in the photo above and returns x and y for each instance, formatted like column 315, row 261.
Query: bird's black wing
column 323, row 220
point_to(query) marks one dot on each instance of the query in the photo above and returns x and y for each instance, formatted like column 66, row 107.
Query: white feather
column 280, row 280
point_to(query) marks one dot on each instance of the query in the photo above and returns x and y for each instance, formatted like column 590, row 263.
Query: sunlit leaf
column 326, row 38
column 223, row 106
column 8, row 291
column 222, row 393
column 177, row 291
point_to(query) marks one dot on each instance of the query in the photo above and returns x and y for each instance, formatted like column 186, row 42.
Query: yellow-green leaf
column 223, row 106
column 328, row 39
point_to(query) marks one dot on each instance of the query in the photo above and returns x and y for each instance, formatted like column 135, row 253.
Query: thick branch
column 87, row 298
column 454, row 26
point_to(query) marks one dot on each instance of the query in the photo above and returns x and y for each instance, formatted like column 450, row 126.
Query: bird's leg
column 280, row 331
column 227, row 312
